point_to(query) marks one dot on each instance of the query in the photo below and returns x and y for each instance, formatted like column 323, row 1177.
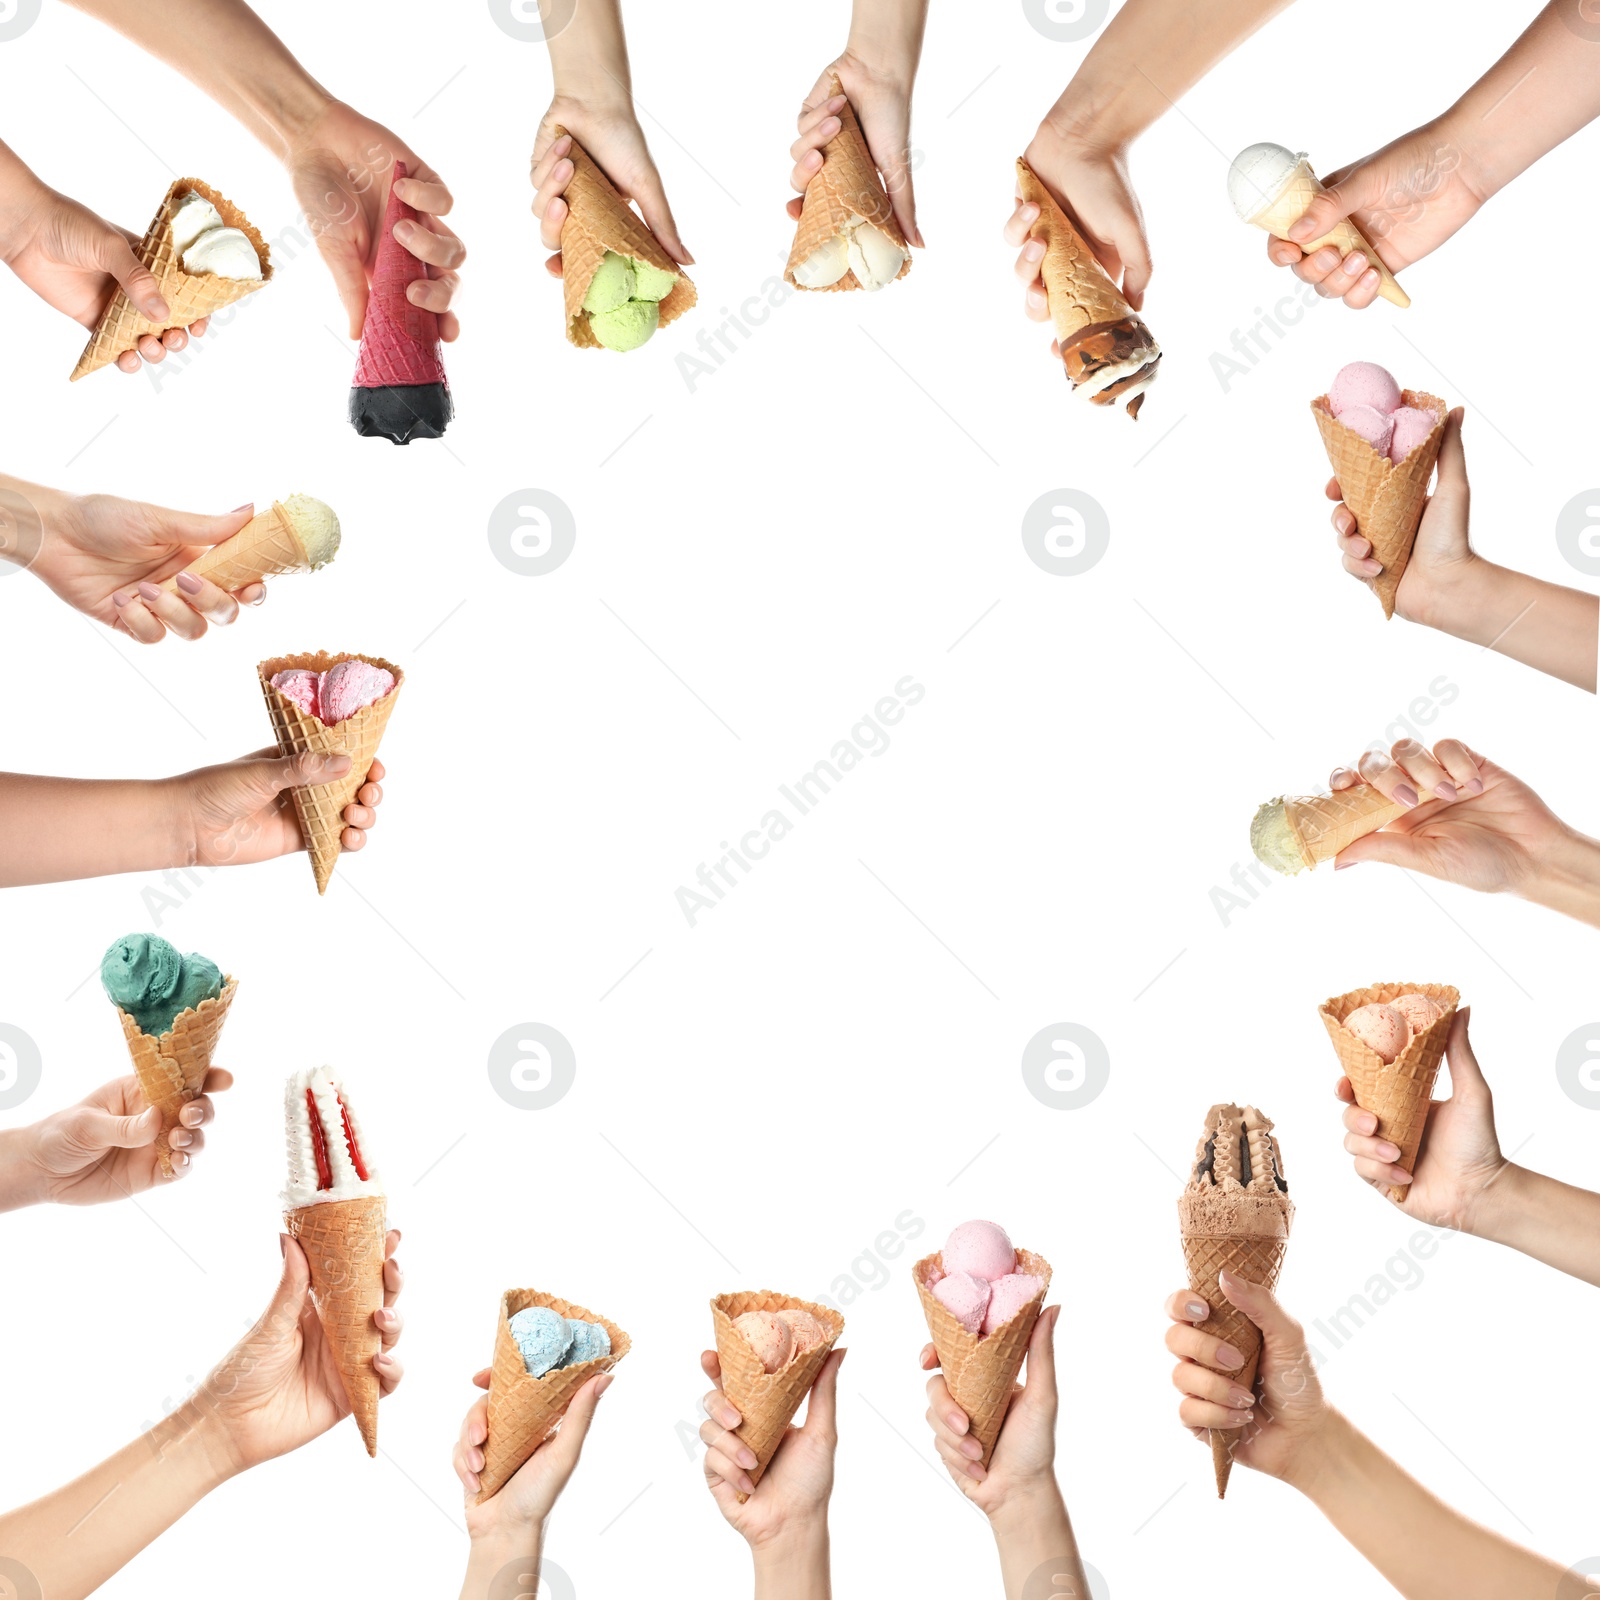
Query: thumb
column 822, row 1409
column 896, row 170
column 1281, row 1334
column 1452, row 482
column 1354, row 192
column 1042, row 1357
column 567, row 1445
column 652, row 200
column 288, row 1302
column 103, row 1131
column 349, row 277
column 191, row 528
column 1466, row 1076
column 301, row 771
column 1398, row 849
column 115, row 255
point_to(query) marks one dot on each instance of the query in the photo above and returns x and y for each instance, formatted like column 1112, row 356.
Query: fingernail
column 1227, row 1356
column 1476, row 786
column 1034, row 249
column 1369, row 1123
column 245, row 507
column 1355, row 262
column 188, row 583
column 976, row 1473
column 1445, row 791
column 1196, row 1309
column 747, row 1459
column 1406, row 795
column 404, row 229
column 283, row 1244
column 604, row 1384
column 1388, row 1152
column 957, row 1421
column 1340, row 864
column 729, row 1418
column 1369, row 280
column 1301, row 229
column 118, row 598
column 971, row 1448
column 1340, row 773
column 1327, row 259
column 1241, row 1400
column 1400, row 1176
column 744, row 1485
column 148, row 591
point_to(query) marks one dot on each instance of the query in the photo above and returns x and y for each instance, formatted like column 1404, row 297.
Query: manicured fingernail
column 604, row 1384
column 971, row 1449
column 245, row 507
column 283, row 1244
column 1327, row 259
column 1406, row 795
column 747, row 1459
column 957, row 1421
column 1400, row 1176
column 148, row 591
column 1196, row 1309
column 1227, row 1356
column 1388, row 1152
column 1445, row 791
column 1301, row 229
column 1034, row 250
column 728, row 1417
column 1476, row 786
column 1339, row 774
column 744, row 1485
column 1369, row 280
column 1241, row 1399
column 1354, row 263
column 188, row 583
column 405, row 229
column 976, row 1472
column 1340, row 864
column 1367, row 1122
column 119, row 598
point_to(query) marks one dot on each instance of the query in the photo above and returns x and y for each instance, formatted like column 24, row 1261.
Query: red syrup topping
column 319, row 1144
column 351, row 1145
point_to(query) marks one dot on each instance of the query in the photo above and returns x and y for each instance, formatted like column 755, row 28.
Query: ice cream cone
column 767, row 1401
column 344, row 1245
column 172, row 1068
column 1386, row 497
column 189, row 297
column 1234, row 1216
column 524, row 1410
column 265, row 546
column 320, row 807
column 980, row 1371
column 847, row 186
column 599, row 219
column 1296, row 832
column 1291, row 203
column 1399, row 1092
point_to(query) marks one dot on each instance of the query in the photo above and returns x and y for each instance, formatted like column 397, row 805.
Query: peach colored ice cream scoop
column 982, row 1248
column 769, row 1336
column 1007, row 1296
column 806, row 1332
column 1382, row 1028
column 965, row 1297
column 1419, row 1011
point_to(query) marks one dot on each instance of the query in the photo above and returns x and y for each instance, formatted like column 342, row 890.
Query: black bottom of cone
column 401, row 412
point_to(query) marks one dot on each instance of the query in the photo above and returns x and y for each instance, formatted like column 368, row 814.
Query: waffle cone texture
column 1386, row 497
column 599, row 219
column 767, row 1401
column 189, row 297
column 264, row 547
column 1326, row 823
column 344, row 1244
column 1397, row 1093
column 172, row 1068
column 320, row 807
column 1078, row 288
column 980, row 1371
column 846, row 187
column 524, row 1410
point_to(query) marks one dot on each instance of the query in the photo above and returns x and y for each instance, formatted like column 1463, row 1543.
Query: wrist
column 194, row 1442
column 795, row 1540
column 1091, row 118
column 1456, row 597
column 1565, row 876
column 883, row 51
column 1320, row 1454
column 1026, row 1504
column 173, row 821
column 21, row 1176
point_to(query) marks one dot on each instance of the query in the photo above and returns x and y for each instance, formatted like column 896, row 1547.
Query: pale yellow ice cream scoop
column 299, row 534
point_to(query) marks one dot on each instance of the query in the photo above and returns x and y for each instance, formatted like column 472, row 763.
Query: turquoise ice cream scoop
column 153, row 983
column 590, row 1341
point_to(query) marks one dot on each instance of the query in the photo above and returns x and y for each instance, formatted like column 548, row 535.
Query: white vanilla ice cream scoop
column 1257, row 177
column 327, row 1154
column 863, row 248
column 195, row 216
column 222, row 253
column 315, row 525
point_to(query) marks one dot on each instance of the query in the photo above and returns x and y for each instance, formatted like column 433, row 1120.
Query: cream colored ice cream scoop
column 299, row 534
column 1298, row 831
column 862, row 248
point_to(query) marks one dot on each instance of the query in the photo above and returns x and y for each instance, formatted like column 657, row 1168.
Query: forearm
column 1424, row 1548
column 1543, row 625
column 58, row 829
column 886, row 35
column 20, row 190
column 1150, row 54
column 225, row 49
column 589, row 57
column 1539, row 93
column 1543, row 1218
column 1566, row 878
column 19, row 1173
column 1033, row 1534
column 492, row 1554
column 795, row 1565
column 73, row 1540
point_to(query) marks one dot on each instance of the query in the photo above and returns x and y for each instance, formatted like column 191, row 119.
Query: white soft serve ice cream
column 205, row 245
column 863, row 248
column 1257, row 177
column 327, row 1154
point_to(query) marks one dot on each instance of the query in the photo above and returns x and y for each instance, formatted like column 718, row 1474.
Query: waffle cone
column 188, row 298
column 599, row 219
column 1325, row 824
column 767, row 1401
column 265, row 546
column 320, row 807
column 1079, row 290
column 1255, row 1253
column 981, row 1372
column 1385, row 497
column 1397, row 1093
column 172, row 1068
column 847, row 186
column 344, row 1244
column 524, row 1410
column 1292, row 203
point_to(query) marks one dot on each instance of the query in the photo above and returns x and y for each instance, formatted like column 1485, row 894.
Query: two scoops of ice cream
column 780, row 1337
column 1389, row 1027
column 977, row 1279
column 205, row 244
column 336, row 694
column 547, row 1340
column 624, row 298
column 148, row 978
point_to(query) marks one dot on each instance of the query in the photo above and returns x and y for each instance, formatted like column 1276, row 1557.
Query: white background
column 837, row 1044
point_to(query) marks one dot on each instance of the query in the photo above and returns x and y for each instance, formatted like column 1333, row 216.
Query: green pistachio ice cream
column 153, row 983
column 623, row 300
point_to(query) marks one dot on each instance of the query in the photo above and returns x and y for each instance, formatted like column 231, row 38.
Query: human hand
column 1483, row 828
column 104, row 1148
column 76, row 261
column 1406, row 198
column 611, row 134
column 1460, row 1154
column 340, row 164
column 880, row 92
column 1278, row 1429
column 106, row 556
column 1442, row 554
column 1090, row 182
column 792, row 1496
column 1024, row 1455
column 240, row 812
column 529, row 1496
column 279, row 1387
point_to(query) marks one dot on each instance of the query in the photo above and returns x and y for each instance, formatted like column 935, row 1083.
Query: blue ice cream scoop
column 543, row 1336
column 148, row 979
column 590, row 1341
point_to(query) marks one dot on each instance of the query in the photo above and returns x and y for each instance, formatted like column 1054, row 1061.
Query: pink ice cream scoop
column 769, row 1337
column 1373, row 426
column 1411, row 427
column 965, row 1297
column 350, row 685
column 301, row 687
column 1363, row 383
column 1381, row 1028
column 1007, row 1296
column 804, row 1329
column 1418, row 1010
column 982, row 1248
